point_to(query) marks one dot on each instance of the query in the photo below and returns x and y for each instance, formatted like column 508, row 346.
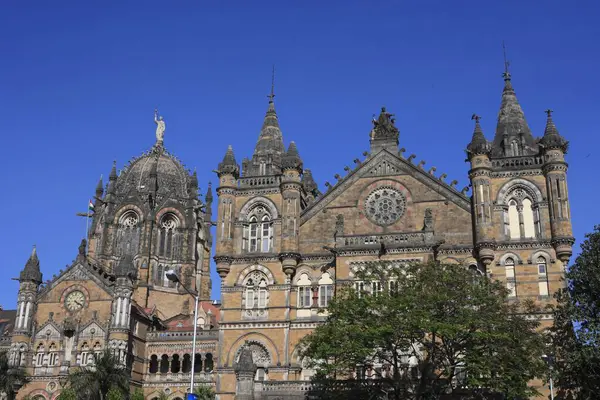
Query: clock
column 75, row 300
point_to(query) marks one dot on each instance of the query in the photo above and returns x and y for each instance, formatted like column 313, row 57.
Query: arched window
column 168, row 237
column 325, row 289
column 39, row 355
column 208, row 363
column 197, row 363
column 153, row 368
column 85, row 354
column 164, row 364
column 53, row 356
column 521, row 218
column 128, row 234
column 542, row 276
column 161, row 276
column 186, row 366
column 511, row 285
column 258, row 233
column 256, row 291
column 515, row 148
column 175, row 364
column 304, row 291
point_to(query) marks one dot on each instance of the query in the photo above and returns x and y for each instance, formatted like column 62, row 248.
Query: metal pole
column 87, row 229
column 551, row 389
column 196, row 298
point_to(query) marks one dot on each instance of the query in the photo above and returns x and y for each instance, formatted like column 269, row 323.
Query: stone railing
column 259, row 181
column 518, row 162
column 179, row 377
column 392, row 239
column 181, row 336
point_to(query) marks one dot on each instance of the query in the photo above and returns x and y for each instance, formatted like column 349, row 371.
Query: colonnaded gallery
column 274, row 232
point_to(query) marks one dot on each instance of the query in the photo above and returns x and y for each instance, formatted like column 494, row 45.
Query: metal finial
column 549, row 112
column 272, row 95
column 506, row 73
column 476, row 118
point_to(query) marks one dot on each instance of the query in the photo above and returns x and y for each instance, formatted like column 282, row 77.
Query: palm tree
column 10, row 377
column 94, row 382
column 204, row 392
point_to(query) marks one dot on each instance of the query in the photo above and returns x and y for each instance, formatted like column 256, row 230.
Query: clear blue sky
column 78, row 86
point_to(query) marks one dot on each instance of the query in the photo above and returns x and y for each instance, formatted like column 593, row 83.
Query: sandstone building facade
column 281, row 248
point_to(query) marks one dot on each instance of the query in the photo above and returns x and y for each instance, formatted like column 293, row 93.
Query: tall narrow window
column 509, row 266
column 39, row 356
column 256, row 291
column 262, row 294
column 259, row 230
column 528, row 220
column 53, row 355
column 513, row 220
column 376, row 288
column 542, row 276
column 85, row 354
column 167, row 236
column 253, row 234
column 325, row 290
column 266, row 234
column 304, row 291
column 128, row 234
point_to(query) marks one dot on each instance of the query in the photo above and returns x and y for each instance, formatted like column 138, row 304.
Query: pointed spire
column 209, row 196
column 552, row 139
column 291, row 159
column 208, row 199
column 112, row 180
column 229, row 166
column 99, row 188
column 513, row 136
column 478, row 144
column 309, row 184
column 113, row 172
column 31, row 272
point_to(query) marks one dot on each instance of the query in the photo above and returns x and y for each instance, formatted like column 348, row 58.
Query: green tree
column 114, row 394
column 576, row 330
column 10, row 376
column 137, row 394
column 67, row 394
column 204, row 392
column 95, row 381
column 435, row 329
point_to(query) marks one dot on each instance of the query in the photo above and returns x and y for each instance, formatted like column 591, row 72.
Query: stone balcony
column 179, row 377
column 181, row 336
column 390, row 240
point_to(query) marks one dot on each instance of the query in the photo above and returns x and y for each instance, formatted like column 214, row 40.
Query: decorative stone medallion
column 385, row 205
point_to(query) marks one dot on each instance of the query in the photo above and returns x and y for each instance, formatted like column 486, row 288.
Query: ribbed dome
column 173, row 178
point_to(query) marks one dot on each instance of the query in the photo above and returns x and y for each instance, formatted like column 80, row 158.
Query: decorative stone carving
column 385, row 205
column 428, row 220
column 339, row 225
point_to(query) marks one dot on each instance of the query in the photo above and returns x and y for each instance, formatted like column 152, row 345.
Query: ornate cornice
column 524, row 245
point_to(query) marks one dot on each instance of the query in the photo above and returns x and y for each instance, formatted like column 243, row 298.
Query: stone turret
column 228, row 173
column 291, row 191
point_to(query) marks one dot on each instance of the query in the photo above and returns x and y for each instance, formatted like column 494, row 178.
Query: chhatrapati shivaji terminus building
column 269, row 225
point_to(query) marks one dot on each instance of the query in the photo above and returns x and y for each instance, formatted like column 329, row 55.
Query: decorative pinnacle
column 272, row 95
column 506, row 73
column 549, row 112
column 476, row 118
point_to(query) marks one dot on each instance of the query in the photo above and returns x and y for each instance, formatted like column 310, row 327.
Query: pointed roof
column 99, row 187
column 269, row 146
column 229, row 165
column 478, row 144
column 209, row 196
column 31, row 272
column 552, row 139
column 512, row 125
column 309, row 184
column 291, row 159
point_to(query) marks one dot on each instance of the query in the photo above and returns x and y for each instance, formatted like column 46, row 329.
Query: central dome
column 173, row 178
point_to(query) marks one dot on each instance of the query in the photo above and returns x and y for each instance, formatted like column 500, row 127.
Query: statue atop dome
column 160, row 127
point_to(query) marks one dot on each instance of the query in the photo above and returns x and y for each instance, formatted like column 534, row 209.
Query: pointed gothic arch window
column 53, row 355
column 515, row 148
column 85, row 355
column 543, row 283
column 168, row 236
column 39, row 355
column 325, row 290
column 258, row 232
column 256, row 293
column 522, row 216
column 304, row 291
column 128, row 234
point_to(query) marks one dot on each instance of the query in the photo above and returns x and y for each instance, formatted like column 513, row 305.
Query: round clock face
column 75, row 301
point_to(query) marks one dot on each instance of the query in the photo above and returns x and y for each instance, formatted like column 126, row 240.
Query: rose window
column 130, row 220
column 384, row 206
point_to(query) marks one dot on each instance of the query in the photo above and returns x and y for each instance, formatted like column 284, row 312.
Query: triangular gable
column 48, row 331
column 385, row 164
column 92, row 330
column 77, row 272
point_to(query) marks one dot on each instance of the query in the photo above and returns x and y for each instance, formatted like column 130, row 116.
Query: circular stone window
column 385, row 205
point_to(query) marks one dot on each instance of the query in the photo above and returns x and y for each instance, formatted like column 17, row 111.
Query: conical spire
column 229, row 165
column 479, row 144
column 99, row 188
column 31, row 272
column 208, row 199
column 209, row 196
column 309, row 184
column 291, row 159
column 513, row 136
column 112, row 179
column 552, row 139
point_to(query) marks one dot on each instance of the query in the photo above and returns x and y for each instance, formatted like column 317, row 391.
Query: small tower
column 291, row 187
column 228, row 173
column 478, row 153
column 29, row 283
column 554, row 147
column 125, row 273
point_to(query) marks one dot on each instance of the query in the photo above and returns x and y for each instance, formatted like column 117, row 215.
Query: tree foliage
column 436, row 329
column 576, row 331
column 67, row 394
column 95, row 381
column 137, row 394
column 9, row 376
column 204, row 392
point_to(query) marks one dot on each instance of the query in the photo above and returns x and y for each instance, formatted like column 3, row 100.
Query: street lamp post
column 549, row 360
column 172, row 276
